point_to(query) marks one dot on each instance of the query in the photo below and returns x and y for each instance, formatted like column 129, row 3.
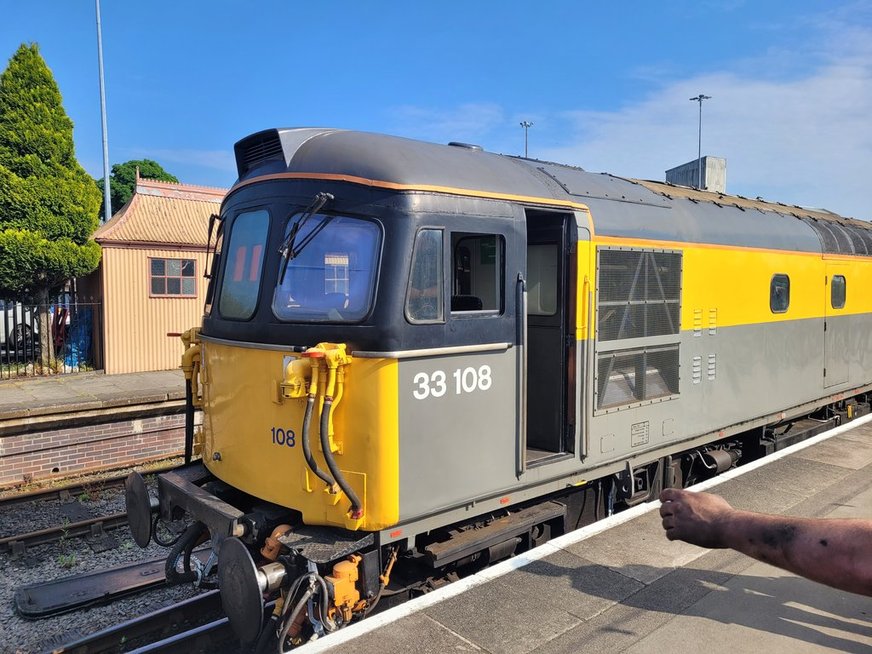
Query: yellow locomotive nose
column 314, row 431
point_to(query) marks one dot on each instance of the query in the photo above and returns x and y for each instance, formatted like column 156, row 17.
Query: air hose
column 307, row 449
column 191, row 537
column 356, row 506
column 335, row 358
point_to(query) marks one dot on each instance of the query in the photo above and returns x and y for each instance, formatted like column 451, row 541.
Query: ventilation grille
column 258, row 149
column 639, row 294
column 628, row 377
column 638, row 304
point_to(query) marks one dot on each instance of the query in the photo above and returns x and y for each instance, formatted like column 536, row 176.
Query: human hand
column 697, row 518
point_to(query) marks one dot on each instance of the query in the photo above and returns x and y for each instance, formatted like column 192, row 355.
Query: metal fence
column 70, row 343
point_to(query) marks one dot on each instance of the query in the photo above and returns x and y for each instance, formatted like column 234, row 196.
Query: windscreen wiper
column 287, row 249
column 295, row 252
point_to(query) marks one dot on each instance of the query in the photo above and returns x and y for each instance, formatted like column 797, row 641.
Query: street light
column 699, row 99
column 526, row 124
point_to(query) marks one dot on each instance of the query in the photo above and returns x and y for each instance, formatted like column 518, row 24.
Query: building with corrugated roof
column 151, row 274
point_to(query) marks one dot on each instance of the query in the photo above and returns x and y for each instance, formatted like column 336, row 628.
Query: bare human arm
column 835, row 552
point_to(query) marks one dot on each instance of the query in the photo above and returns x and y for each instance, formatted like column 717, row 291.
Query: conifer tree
column 48, row 203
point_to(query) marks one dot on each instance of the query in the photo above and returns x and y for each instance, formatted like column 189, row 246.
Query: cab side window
column 478, row 273
column 244, row 265
column 425, row 297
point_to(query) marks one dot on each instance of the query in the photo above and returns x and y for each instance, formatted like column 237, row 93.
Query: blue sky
column 605, row 84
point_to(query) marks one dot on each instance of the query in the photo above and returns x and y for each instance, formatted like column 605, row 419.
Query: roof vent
column 257, row 149
column 468, row 146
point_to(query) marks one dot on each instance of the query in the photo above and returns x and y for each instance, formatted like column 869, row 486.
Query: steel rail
column 72, row 490
column 213, row 633
column 63, row 493
column 91, row 526
column 111, row 638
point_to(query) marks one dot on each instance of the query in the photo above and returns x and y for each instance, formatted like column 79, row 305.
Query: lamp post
column 526, row 124
column 699, row 99
column 107, row 202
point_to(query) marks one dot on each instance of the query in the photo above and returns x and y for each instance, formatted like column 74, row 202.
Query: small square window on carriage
column 838, row 292
column 779, row 293
column 173, row 277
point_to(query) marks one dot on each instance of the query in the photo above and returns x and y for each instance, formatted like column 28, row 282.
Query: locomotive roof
column 619, row 206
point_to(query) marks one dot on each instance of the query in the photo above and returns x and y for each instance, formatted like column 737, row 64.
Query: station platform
column 620, row 586
column 38, row 396
column 52, row 428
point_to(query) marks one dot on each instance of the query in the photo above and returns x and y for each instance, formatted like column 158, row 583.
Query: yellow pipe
column 385, row 579
column 313, row 383
column 340, row 390
column 322, row 390
column 331, row 378
column 191, row 365
column 190, row 358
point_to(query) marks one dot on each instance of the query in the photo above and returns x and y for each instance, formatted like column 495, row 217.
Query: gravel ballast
column 71, row 556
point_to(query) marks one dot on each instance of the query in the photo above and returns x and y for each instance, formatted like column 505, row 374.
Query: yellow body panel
column 736, row 282
column 729, row 285
column 586, row 267
column 244, row 409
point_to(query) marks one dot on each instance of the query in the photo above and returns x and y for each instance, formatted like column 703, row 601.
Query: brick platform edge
column 53, row 442
column 64, row 452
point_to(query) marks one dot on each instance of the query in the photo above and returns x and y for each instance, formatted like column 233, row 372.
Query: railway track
column 66, row 492
column 194, row 625
column 186, row 627
column 94, row 527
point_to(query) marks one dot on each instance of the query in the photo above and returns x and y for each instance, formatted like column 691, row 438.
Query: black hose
column 183, row 548
column 189, row 422
column 356, row 506
column 157, row 539
column 267, row 633
column 307, row 450
column 289, row 621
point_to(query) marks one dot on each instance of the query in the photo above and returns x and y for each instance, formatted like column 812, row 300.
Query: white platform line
column 551, row 547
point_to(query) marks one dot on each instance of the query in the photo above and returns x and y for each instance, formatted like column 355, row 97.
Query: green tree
column 48, row 203
column 122, row 180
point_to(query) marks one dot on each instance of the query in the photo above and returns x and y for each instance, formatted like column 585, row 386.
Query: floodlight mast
column 699, row 99
column 107, row 202
column 526, row 124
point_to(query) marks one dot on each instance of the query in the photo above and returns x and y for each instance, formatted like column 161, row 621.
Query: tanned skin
column 835, row 552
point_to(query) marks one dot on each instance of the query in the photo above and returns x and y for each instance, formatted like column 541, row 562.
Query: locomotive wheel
column 240, row 593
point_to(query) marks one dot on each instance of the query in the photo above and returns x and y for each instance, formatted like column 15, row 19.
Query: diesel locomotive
column 437, row 355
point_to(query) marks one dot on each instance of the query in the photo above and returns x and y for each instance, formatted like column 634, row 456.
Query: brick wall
column 111, row 444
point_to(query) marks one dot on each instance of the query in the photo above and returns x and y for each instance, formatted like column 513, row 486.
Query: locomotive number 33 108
column 460, row 381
